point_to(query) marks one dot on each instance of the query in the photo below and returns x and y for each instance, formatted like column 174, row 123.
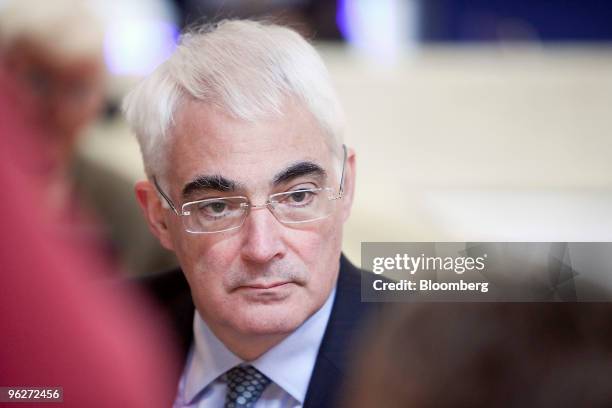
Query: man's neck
column 249, row 348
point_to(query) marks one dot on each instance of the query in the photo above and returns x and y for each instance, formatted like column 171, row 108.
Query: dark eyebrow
column 206, row 183
column 219, row 183
column 299, row 169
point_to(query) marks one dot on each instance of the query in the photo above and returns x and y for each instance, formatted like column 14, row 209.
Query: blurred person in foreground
column 475, row 355
column 249, row 184
column 52, row 51
column 62, row 324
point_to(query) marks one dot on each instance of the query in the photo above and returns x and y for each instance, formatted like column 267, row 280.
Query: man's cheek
column 307, row 244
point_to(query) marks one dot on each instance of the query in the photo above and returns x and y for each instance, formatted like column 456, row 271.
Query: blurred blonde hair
column 66, row 29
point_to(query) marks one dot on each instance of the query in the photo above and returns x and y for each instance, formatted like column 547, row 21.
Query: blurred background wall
column 473, row 120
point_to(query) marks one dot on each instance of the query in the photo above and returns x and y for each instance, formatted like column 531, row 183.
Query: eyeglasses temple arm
column 160, row 191
column 341, row 192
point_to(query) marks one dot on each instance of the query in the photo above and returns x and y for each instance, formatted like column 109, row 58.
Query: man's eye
column 298, row 196
column 214, row 208
column 218, row 207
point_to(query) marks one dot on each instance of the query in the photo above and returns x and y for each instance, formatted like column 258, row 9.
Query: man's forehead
column 207, row 140
column 215, row 121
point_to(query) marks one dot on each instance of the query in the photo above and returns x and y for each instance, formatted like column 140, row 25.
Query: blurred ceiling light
column 140, row 34
column 137, row 47
column 381, row 28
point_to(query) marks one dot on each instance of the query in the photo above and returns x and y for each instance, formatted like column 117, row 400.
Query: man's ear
column 155, row 214
column 349, row 184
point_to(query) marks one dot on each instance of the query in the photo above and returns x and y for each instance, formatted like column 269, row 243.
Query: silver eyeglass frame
column 268, row 204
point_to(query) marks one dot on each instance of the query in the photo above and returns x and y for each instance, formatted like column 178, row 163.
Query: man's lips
column 263, row 286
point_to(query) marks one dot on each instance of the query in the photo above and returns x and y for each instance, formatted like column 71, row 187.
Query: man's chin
column 270, row 319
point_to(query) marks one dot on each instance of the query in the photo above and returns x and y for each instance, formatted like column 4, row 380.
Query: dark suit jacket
column 348, row 314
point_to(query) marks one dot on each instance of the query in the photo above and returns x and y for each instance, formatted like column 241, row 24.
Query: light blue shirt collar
column 289, row 364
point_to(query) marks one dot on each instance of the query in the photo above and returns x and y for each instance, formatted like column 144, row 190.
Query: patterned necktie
column 244, row 386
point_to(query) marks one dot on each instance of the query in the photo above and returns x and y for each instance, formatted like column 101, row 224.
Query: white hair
column 244, row 67
column 68, row 29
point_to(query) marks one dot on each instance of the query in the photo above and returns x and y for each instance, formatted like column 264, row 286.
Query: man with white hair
column 249, row 183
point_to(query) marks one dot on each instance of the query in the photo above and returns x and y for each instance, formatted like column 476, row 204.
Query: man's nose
column 263, row 239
